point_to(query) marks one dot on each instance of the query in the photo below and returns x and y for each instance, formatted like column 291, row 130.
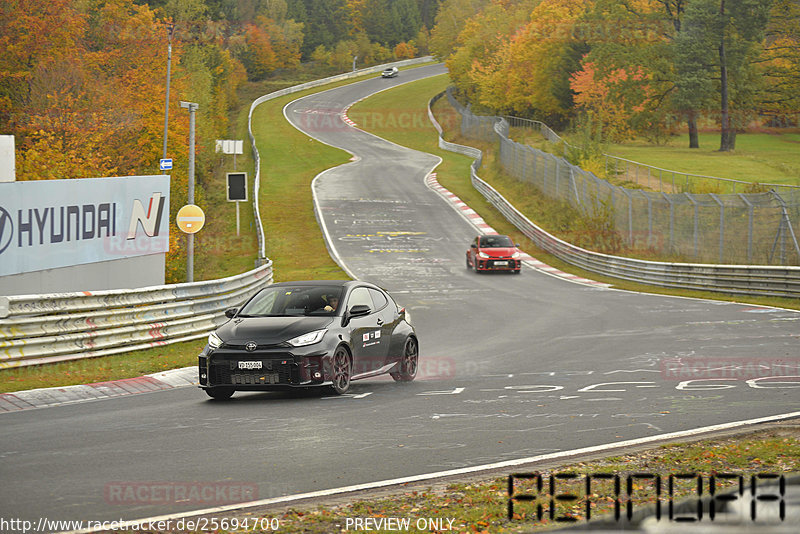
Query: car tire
column 469, row 265
column 407, row 366
column 220, row 392
column 517, row 271
column 342, row 369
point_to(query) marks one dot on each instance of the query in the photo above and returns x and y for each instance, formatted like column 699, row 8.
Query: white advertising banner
column 48, row 224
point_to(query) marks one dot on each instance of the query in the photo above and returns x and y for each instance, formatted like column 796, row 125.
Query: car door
column 366, row 334
column 388, row 316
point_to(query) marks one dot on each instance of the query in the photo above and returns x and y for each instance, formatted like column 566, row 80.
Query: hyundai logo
column 251, row 346
column 6, row 229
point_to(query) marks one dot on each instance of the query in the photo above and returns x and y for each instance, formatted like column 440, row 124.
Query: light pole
column 192, row 107
column 170, row 29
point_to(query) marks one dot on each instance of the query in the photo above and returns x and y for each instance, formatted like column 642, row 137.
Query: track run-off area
column 512, row 368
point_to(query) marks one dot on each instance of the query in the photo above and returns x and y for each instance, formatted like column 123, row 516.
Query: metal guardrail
column 36, row 329
column 777, row 281
column 295, row 89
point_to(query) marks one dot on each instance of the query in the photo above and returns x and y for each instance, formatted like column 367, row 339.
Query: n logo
column 151, row 221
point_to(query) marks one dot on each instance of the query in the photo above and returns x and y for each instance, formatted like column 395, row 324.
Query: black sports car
column 313, row 333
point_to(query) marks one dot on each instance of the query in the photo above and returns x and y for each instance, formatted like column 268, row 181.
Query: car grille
column 224, row 370
column 492, row 264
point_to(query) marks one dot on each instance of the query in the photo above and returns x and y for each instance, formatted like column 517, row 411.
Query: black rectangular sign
column 237, row 186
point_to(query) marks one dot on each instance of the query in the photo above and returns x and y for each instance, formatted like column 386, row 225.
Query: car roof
column 332, row 283
column 313, row 283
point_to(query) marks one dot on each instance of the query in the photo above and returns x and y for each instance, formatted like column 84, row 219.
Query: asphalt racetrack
column 511, row 367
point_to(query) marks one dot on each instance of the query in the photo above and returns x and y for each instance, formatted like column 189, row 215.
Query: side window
column 378, row 299
column 360, row 295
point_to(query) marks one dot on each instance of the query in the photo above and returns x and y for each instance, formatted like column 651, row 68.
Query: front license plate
column 251, row 365
column 501, row 263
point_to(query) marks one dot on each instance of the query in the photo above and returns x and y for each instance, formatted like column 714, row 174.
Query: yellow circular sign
column 190, row 219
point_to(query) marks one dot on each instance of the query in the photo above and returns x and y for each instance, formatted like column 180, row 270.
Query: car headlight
column 214, row 341
column 307, row 339
column 483, row 255
column 516, row 255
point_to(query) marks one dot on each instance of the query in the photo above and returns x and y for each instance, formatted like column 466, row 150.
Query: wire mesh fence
column 732, row 228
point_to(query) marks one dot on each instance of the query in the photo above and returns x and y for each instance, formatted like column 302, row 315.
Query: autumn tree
column 474, row 65
column 405, row 50
column 519, row 74
column 450, row 21
column 781, row 63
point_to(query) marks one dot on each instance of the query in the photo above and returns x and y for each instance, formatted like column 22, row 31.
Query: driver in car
column 333, row 303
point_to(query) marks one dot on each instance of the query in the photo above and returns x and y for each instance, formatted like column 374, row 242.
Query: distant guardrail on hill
column 777, row 281
column 36, row 329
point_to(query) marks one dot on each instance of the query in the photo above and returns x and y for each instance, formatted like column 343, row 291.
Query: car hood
column 269, row 330
column 499, row 252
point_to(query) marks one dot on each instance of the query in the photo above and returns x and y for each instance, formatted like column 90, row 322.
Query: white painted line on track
column 453, row 472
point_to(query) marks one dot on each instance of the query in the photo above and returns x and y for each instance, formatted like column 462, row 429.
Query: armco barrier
column 296, row 89
column 775, row 281
column 37, row 329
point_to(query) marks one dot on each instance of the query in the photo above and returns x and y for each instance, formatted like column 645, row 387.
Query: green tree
column 724, row 37
column 450, row 21
column 325, row 22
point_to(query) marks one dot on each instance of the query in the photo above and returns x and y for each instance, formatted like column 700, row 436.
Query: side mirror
column 516, row 245
column 473, row 246
column 231, row 312
column 356, row 311
column 359, row 309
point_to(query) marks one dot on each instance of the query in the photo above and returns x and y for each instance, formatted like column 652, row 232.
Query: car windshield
column 294, row 301
column 496, row 241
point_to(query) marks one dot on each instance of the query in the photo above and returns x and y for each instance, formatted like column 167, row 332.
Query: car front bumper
column 264, row 369
column 499, row 264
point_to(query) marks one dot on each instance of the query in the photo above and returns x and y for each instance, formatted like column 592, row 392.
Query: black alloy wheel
column 407, row 367
column 342, row 370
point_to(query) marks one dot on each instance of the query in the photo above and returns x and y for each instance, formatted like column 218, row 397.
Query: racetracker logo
column 6, row 229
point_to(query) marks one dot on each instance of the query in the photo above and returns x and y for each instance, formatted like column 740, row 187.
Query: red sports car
column 494, row 253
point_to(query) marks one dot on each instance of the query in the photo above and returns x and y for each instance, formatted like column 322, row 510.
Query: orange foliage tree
column 405, row 51
column 520, row 76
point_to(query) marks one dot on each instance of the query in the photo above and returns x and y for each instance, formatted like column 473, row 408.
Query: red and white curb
column 478, row 222
column 345, row 118
column 57, row 396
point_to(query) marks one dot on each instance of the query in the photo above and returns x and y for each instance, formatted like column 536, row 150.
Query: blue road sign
column 165, row 164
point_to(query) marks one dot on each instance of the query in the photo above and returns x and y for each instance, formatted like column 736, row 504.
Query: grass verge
column 760, row 157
